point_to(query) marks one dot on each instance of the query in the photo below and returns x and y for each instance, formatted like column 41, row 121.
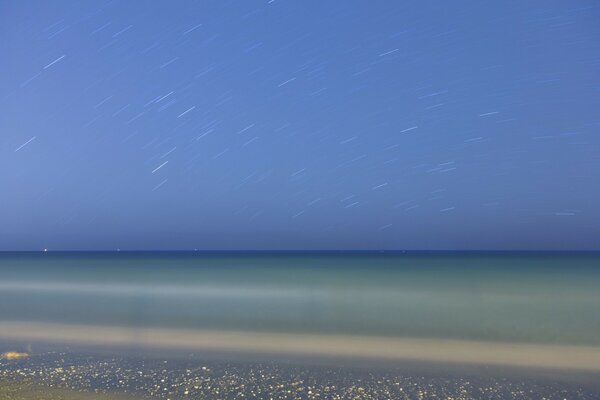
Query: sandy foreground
column 384, row 348
column 10, row 390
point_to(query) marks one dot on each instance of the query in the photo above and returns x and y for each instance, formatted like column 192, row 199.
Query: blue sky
column 299, row 125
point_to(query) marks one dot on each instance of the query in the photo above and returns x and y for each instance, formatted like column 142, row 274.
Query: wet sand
column 59, row 370
column 585, row 358
column 14, row 390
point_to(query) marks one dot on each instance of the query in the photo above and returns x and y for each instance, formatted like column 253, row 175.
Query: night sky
column 290, row 124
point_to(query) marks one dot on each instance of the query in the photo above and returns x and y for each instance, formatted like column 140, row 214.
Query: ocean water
column 542, row 298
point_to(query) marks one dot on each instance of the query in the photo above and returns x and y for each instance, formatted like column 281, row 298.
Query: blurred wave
column 488, row 297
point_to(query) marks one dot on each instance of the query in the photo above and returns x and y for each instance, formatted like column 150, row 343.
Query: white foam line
column 162, row 290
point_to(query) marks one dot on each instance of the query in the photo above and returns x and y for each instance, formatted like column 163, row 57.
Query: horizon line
column 300, row 251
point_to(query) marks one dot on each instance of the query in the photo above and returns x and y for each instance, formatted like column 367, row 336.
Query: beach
column 18, row 390
column 146, row 324
column 116, row 373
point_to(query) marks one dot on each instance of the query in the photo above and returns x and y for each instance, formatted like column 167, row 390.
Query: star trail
column 299, row 125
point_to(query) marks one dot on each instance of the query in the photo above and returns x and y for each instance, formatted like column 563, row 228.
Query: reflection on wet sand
column 27, row 390
column 196, row 377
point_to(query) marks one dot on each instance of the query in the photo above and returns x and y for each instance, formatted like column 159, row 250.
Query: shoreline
column 586, row 358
